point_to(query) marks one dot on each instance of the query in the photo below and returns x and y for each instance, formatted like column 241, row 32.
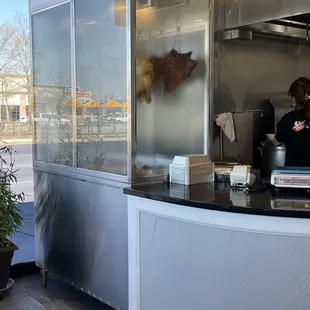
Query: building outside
column 14, row 97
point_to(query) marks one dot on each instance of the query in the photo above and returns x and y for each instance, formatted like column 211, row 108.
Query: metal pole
column 131, row 87
column 73, row 84
column 208, row 106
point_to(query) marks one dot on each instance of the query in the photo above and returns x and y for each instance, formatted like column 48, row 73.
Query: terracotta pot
column 6, row 255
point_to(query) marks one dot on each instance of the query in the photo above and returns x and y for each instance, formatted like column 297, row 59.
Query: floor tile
column 59, row 295
column 27, row 294
column 16, row 292
column 23, row 303
column 79, row 304
column 55, row 289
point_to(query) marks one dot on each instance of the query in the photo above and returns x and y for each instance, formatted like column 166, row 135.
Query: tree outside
column 16, row 97
column 15, row 78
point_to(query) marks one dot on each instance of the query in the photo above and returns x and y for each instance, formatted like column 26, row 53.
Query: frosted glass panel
column 171, row 82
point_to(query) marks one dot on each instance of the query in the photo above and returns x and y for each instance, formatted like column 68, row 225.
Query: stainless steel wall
column 173, row 123
column 245, row 12
column 81, row 233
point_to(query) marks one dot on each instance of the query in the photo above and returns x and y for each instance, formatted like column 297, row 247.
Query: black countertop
column 220, row 197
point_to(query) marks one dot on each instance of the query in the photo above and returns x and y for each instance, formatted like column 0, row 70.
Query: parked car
column 90, row 119
column 24, row 119
column 111, row 117
column 96, row 119
column 121, row 119
column 51, row 119
column 66, row 118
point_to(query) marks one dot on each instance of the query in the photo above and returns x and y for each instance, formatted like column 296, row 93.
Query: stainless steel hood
column 236, row 34
column 245, row 12
column 281, row 28
column 277, row 29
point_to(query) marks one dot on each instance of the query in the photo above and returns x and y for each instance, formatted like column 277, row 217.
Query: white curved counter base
column 183, row 258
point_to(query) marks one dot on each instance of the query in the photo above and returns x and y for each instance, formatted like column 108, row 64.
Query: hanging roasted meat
column 180, row 68
column 144, row 79
column 174, row 68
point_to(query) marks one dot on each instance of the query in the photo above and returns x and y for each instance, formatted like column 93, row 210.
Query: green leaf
column 10, row 214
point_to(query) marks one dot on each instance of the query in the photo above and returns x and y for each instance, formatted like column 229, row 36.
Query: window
column 52, row 78
column 101, row 70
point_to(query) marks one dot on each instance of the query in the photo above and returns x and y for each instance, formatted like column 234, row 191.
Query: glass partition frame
column 50, row 94
column 131, row 98
column 130, row 41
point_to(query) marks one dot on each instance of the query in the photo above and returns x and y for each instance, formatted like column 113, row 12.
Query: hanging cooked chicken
column 180, row 68
column 174, row 68
column 144, row 79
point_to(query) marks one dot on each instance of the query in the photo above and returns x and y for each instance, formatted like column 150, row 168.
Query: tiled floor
column 27, row 294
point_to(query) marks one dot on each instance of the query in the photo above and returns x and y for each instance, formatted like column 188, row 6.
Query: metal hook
column 307, row 30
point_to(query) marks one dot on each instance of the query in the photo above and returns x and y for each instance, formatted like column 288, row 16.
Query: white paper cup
column 270, row 136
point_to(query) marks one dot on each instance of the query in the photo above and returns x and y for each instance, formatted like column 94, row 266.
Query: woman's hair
column 300, row 91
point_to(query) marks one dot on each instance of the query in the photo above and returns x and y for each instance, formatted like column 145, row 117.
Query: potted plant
column 10, row 218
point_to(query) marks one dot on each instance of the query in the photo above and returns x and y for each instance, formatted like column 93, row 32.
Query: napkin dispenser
column 191, row 169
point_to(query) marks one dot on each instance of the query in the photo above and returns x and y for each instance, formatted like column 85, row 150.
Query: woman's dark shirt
column 294, row 131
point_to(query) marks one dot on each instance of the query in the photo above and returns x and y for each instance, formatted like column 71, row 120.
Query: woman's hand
column 275, row 142
column 271, row 137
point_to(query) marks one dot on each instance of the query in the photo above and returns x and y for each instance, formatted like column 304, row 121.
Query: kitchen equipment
column 273, row 110
column 222, row 174
column 241, row 176
column 291, row 177
column 272, row 157
column 191, row 169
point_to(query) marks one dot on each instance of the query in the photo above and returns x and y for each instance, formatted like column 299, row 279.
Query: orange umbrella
column 92, row 104
column 113, row 104
column 125, row 106
column 69, row 104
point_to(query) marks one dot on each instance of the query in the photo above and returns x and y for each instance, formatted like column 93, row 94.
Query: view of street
column 24, row 239
column 23, row 162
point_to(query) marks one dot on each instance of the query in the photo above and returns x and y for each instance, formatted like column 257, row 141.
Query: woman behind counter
column 294, row 128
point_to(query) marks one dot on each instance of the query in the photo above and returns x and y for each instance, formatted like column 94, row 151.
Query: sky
column 10, row 7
